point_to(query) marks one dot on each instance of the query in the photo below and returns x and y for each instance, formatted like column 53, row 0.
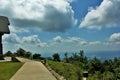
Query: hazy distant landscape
column 102, row 55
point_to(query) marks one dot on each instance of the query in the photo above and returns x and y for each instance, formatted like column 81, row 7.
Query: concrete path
column 32, row 70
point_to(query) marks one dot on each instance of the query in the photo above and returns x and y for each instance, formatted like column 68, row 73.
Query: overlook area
column 70, row 67
column 60, row 39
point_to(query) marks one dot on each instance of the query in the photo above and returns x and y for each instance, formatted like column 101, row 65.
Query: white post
column 85, row 75
column 84, row 78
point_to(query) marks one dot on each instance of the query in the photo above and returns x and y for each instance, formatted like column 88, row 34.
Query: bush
column 20, row 52
column 9, row 53
column 56, row 57
column 36, row 56
column 27, row 54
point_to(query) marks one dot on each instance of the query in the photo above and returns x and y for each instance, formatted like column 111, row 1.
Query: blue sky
column 49, row 26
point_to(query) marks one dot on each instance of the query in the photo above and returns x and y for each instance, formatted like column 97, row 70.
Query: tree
column 56, row 57
column 108, row 76
column 27, row 54
column 116, row 62
column 9, row 53
column 81, row 53
column 20, row 52
column 49, row 58
column 36, row 56
column 108, row 65
column 66, row 57
column 82, row 58
column 75, row 56
column 95, row 65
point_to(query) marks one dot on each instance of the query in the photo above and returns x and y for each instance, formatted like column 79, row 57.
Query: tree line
column 23, row 53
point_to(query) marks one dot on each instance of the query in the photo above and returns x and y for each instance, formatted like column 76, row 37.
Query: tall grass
column 69, row 71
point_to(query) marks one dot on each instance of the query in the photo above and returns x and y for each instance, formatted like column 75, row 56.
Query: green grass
column 8, row 69
column 69, row 71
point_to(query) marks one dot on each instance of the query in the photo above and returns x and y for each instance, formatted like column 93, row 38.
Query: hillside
column 69, row 71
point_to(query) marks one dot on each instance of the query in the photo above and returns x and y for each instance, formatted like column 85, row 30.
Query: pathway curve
column 32, row 70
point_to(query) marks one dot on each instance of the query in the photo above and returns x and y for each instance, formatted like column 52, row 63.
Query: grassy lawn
column 8, row 69
column 69, row 71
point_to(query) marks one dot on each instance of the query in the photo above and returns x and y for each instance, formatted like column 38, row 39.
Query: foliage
column 8, row 69
column 72, row 67
column 69, row 71
column 9, row 53
column 56, row 57
column 27, row 54
column 66, row 58
column 20, row 52
column 95, row 65
column 106, row 70
column 49, row 58
column 36, row 56
column 23, row 53
column 98, row 70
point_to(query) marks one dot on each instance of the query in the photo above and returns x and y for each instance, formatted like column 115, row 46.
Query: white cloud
column 77, row 43
column 58, row 44
column 71, row 1
column 58, row 39
column 95, row 43
column 105, row 15
column 45, row 15
column 17, row 30
column 43, row 45
column 34, row 40
column 69, row 43
column 31, row 39
column 12, row 38
column 73, row 39
column 115, row 37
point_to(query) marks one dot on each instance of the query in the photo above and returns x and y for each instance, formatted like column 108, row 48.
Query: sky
column 50, row 26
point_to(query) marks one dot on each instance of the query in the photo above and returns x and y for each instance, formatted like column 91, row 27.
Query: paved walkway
column 32, row 70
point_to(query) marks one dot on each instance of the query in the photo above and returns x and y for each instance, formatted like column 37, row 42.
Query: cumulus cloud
column 45, row 15
column 12, row 38
column 115, row 37
column 105, row 15
column 71, row 1
column 77, row 43
column 31, row 39
column 95, row 43
column 28, row 40
column 42, row 44
column 34, row 40
column 58, row 39
column 16, row 30
column 68, row 41
column 58, row 43
column 73, row 39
